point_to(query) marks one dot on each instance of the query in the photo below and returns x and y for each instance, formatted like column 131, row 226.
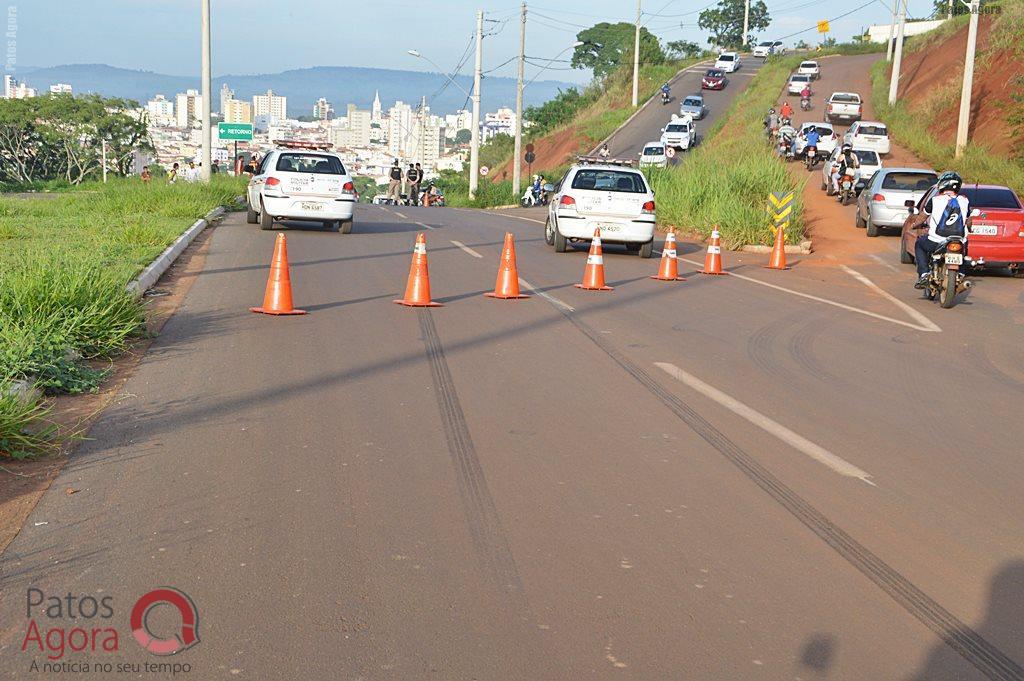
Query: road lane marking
column 520, row 217
column 834, row 303
column 467, row 249
column 882, row 262
column 400, row 215
column 546, row 296
column 794, row 440
column 928, row 324
column 425, row 226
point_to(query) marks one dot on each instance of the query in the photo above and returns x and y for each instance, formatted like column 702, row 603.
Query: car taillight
column 348, row 188
column 878, row 197
column 567, row 200
column 273, row 182
column 648, row 208
column 954, row 247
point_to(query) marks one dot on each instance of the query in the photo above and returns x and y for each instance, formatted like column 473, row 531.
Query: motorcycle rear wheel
column 947, row 296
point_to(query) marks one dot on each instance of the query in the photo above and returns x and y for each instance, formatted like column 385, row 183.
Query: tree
column 606, row 47
column 801, row 45
column 683, row 49
column 556, row 111
column 725, row 22
column 463, row 136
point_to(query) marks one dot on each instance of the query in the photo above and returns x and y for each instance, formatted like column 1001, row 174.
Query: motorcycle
column 664, row 97
column 805, row 104
column 946, row 278
column 786, row 149
column 846, row 185
column 529, row 198
column 811, row 158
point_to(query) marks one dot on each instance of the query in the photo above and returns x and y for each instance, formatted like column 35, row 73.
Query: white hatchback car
column 827, row 138
column 809, row 68
column 797, row 83
column 868, row 135
column 301, row 184
column 728, row 62
column 654, row 155
column 613, row 198
column 869, row 160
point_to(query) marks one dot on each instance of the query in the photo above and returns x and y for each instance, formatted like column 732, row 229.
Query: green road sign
column 240, row 132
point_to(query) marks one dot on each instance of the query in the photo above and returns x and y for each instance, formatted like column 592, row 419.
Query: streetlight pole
column 894, row 80
column 963, row 124
column 636, row 55
column 746, row 22
column 204, row 172
column 517, row 162
column 892, row 30
column 474, row 148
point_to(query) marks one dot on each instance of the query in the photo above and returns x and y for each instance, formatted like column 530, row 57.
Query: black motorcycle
column 811, row 158
column 947, row 277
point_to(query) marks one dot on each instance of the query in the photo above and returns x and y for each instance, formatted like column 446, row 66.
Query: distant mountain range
column 339, row 84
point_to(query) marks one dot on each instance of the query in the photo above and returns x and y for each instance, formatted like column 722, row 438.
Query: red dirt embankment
column 553, row 150
column 940, row 67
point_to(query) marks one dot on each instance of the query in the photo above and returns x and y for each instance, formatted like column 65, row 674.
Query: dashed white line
column 795, row 440
column 400, row 215
column 883, row 263
column 425, row 225
column 466, row 248
column 927, row 324
column 546, row 296
column 520, row 217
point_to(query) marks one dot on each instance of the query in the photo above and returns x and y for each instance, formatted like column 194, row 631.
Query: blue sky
column 264, row 36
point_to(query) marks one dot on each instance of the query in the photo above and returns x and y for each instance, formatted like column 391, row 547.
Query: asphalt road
column 771, row 475
column 646, row 126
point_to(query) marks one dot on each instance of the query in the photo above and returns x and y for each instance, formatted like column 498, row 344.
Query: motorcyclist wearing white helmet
column 787, row 134
column 847, row 163
column 947, row 214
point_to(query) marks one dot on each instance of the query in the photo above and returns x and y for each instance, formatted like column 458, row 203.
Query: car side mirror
column 550, row 188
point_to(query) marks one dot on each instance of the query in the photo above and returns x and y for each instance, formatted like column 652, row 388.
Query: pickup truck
column 844, row 106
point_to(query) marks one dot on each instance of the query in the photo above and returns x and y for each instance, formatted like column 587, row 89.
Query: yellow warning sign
column 823, row 26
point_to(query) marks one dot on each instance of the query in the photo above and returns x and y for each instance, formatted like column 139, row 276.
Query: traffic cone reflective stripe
column 277, row 300
column 507, row 284
column 778, row 259
column 669, row 269
column 593, row 274
column 417, row 289
column 713, row 259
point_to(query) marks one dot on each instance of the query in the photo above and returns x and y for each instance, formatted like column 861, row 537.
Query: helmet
column 949, row 181
column 771, row 110
column 847, row 146
column 785, row 120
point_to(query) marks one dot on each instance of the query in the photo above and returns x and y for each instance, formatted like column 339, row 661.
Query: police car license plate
column 954, row 259
column 609, row 227
column 311, row 205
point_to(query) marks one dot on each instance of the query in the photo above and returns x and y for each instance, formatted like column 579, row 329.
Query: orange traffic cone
column 417, row 290
column 593, row 274
column 669, row 270
column 713, row 259
column 278, row 298
column 778, row 259
column 507, row 285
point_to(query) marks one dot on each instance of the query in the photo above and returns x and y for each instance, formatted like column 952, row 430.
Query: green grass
column 726, row 180
column 64, row 263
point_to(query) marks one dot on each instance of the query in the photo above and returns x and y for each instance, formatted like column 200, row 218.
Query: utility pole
column 474, row 148
column 746, row 22
column 894, row 81
column 104, row 161
column 517, row 160
column 892, row 30
column 963, row 124
column 949, row 11
column 636, row 55
column 204, row 172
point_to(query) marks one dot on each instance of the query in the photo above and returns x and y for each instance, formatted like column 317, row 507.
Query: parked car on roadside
column 827, row 143
column 797, row 83
column 844, row 106
column 996, row 227
column 809, row 68
column 301, row 182
column 693, row 105
column 882, row 204
column 869, row 164
column 728, row 62
column 868, row 135
column 613, row 198
column 714, row 79
column 653, row 154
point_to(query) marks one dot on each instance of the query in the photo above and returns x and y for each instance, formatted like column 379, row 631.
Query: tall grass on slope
column 726, row 180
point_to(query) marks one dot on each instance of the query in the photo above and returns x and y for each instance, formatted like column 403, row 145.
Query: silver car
column 694, row 106
column 881, row 204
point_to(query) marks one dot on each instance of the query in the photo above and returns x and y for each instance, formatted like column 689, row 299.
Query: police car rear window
column 609, row 181
column 316, row 164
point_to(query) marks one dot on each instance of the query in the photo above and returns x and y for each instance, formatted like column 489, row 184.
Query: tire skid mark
column 969, row 644
column 801, row 348
column 478, row 506
column 761, row 344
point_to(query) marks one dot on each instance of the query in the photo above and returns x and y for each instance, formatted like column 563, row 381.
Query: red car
column 714, row 79
column 996, row 231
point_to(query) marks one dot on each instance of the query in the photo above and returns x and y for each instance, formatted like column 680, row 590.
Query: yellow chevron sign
column 823, row 26
column 780, row 208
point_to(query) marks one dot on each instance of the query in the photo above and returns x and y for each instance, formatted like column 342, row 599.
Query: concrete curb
column 804, row 248
column 644, row 106
column 152, row 272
